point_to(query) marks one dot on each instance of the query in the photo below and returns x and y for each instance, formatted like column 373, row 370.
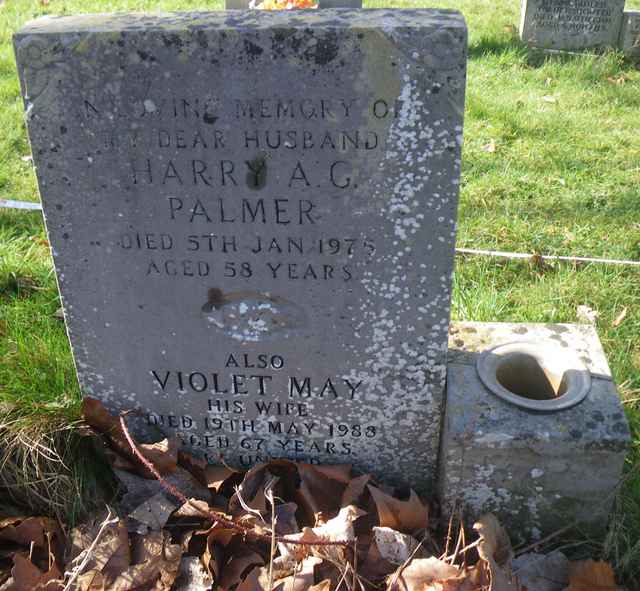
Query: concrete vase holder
column 538, row 376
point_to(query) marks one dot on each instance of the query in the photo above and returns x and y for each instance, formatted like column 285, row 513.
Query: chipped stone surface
column 252, row 217
column 393, row 546
column 152, row 514
column 536, row 472
column 630, row 33
column 136, row 490
column 542, row 572
column 570, row 24
column 192, row 576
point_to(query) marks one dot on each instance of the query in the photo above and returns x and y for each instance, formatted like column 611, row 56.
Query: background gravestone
column 630, row 33
column 571, row 24
column 252, row 217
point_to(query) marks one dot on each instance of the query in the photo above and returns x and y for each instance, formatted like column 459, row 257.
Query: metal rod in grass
column 218, row 518
column 545, row 257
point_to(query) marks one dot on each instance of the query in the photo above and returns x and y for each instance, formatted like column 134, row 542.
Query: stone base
column 537, row 472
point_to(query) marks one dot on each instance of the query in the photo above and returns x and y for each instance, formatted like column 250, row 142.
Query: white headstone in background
column 630, row 33
column 571, row 24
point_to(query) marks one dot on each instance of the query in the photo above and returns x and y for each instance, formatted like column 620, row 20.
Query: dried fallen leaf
column 193, row 508
column 355, row 489
column 213, row 557
column 156, row 563
column 394, row 546
column 549, row 99
column 474, row 578
column 301, row 580
column 163, row 454
column 216, row 476
column 408, row 516
column 28, row 577
column 495, row 549
column 589, row 575
column 618, row 80
column 154, row 512
column 238, row 565
column 303, row 577
column 286, row 522
column 620, row 317
column 494, row 541
column 251, row 491
column 139, row 489
column 338, row 529
column 320, row 487
column 490, row 146
column 106, row 548
column 192, row 576
column 196, row 466
column 420, row 573
column 386, row 551
column 25, row 531
column 39, row 537
column 322, row 586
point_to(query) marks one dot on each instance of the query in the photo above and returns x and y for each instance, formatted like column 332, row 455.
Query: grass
column 564, row 178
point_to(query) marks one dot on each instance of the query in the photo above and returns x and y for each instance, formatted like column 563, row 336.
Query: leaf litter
column 180, row 524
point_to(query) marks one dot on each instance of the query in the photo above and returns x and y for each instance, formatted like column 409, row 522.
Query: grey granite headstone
column 571, row 24
column 252, row 219
column 240, row 4
column 630, row 33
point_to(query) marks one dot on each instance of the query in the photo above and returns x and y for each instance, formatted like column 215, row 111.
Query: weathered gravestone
column 571, row 24
column 630, row 33
column 252, row 218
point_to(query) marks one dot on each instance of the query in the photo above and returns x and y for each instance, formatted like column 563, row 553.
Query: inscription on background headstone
column 630, row 33
column 252, row 217
column 571, row 24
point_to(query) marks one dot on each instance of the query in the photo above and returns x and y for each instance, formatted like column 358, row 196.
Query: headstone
column 242, row 4
column 630, row 33
column 252, row 218
column 571, row 24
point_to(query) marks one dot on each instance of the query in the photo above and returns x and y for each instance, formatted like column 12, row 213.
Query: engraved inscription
column 215, row 210
column 574, row 16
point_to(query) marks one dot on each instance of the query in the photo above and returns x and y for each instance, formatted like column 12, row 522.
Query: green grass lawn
column 564, row 178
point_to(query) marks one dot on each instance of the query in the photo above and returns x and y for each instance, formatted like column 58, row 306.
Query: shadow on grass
column 515, row 49
column 20, row 222
column 493, row 46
